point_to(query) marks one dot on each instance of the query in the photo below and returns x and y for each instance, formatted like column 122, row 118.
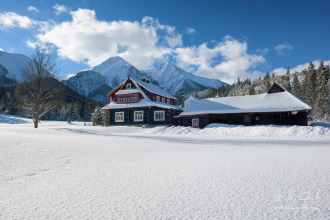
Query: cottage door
column 195, row 123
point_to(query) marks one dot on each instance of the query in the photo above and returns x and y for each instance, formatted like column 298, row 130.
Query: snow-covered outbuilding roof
column 267, row 102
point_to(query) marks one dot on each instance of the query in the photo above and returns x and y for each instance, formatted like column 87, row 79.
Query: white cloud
column 263, row 51
column 11, row 20
column 85, row 38
column 225, row 61
column 174, row 41
column 190, row 30
column 298, row 68
column 60, row 9
column 1, row 49
column 31, row 8
column 281, row 49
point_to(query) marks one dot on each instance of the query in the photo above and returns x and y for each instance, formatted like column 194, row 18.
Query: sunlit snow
column 71, row 171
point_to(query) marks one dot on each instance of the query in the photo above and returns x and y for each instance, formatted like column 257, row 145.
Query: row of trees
column 80, row 110
column 313, row 88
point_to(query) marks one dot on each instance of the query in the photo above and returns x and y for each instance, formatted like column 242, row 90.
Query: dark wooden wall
column 148, row 116
column 276, row 118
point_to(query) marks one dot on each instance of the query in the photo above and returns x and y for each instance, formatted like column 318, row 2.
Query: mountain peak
column 115, row 59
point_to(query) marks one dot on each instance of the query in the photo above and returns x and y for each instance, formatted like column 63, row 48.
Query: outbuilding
column 277, row 106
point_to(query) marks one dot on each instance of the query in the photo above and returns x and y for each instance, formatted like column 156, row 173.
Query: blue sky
column 216, row 39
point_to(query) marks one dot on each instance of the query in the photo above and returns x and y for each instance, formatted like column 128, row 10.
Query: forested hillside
column 69, row 106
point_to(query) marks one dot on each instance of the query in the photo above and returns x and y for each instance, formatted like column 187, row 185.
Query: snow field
column 68, row 171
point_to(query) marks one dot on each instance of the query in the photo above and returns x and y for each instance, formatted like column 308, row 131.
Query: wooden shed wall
column 276, row 118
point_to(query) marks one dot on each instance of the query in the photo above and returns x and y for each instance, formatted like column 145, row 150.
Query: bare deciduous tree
column 38, row 92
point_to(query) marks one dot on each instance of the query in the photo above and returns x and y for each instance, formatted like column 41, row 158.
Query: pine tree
column 267, row 77
column 69, row 113
column 304, row 85
column 4, row 102
column 106, row 118
column 267, row 82
column 321, row 110
column 288, row 71
column 296, row 88
column 13, row 102
column 310, row 90
column 287, row 80
column 97, row 117
column 252, row 90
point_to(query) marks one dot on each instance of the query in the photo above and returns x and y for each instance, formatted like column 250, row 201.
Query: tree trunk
column 36, row 120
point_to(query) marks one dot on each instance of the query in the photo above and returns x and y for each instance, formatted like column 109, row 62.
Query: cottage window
column 134, row 98
column 168, row 101
column 120, row 99
column 128, row 85
column 158, row 99
column 247, row 118
column 163, row 100
column 138, row 115
column 119, row 117
column 159, row 115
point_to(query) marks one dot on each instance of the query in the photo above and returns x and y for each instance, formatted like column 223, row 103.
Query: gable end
column 276, row 88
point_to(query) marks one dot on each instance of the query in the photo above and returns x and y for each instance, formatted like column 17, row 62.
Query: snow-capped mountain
column 85, row 81
column 179, row 81
column 116, row 70
column 14, row 63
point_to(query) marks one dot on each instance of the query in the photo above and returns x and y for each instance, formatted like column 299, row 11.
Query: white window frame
column 137, row 114
column 128, row 85
column 159, row 119
column 158, row 98
column 119, row 116
column 163, row 100
column 168, row 101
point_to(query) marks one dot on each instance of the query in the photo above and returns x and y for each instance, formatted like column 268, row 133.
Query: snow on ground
column 315, row 131
column 70, row 171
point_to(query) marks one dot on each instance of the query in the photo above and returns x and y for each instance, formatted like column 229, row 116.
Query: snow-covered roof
column 154, row 89
column 267, row 102
column 145, row 102
column 142, row 103
column 127, row 91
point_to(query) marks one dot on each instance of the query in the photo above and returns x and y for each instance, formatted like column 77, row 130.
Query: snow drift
column 269, row 131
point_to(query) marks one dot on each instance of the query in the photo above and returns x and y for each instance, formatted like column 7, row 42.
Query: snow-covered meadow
column 63, row 170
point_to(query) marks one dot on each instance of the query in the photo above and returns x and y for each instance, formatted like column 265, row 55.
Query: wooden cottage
column 277, row 106
column 138, row 102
